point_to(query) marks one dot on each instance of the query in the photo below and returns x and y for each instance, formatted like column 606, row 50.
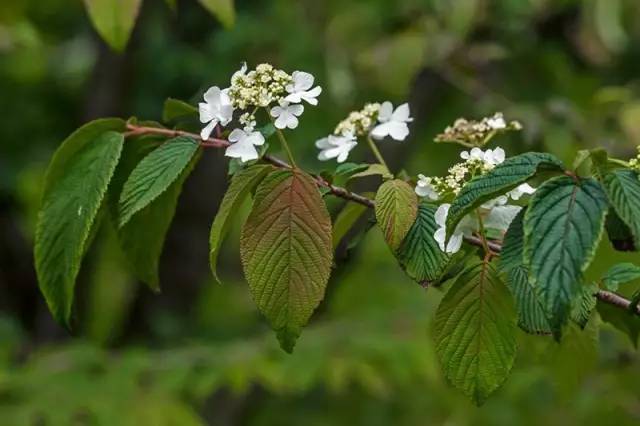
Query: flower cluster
column 495, row 214
column 476, row 162
column 374, row 120
column 265, row 87
column 477, row 133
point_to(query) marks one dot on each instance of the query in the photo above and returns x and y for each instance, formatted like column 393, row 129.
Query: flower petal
column 206, row 132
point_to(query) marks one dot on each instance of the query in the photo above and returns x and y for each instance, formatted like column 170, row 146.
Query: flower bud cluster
column 258, row 88
column 634, row 163
column 359, row 123
column 477, row 133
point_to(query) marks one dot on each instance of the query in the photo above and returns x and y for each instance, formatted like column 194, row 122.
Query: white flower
column 286, row 115
column 494, row 156
column 424, row 188
column 525, row 188
column 243, row 145
column 240, row 73
column 475, row 154
column 216, row 109
column 336, row 147
column 392, row 123
column 300, row 89
column 497, row 122
column 466, row 226
column 500, row 217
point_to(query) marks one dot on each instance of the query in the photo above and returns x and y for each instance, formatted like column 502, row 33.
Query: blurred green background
column 199, row 353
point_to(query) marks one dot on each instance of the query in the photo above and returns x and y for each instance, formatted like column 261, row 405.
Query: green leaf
column 114, row 20
column 583, row 305
column 623, row 189
column 348, row 169
column 286, row 251
column 563, row 226
column 419, row 254
column 621, row 273
column 176, row 110
column 502, row 179
column 475, row 332
column 619, row 233
column 373, row 170
column 345, row 220
column 221, row 9
column 396, row 210
column 512, row 254
column 531, row 314
column 154, row 174
column 625, row 321
column 143, row 236
column 72, row 199
column 242, row 184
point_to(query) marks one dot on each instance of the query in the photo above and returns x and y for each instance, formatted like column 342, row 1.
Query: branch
column 134, row 130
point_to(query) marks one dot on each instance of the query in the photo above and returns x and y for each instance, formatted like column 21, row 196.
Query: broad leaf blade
column 512, row 254
column 176, row 110
column 114, row 20
column 619, row 233
column 531, row 314
column 71, row 202
column 419, row 254
column 623, row 189
column 563, row 226
column 502, row 179
column 345, row 220
column 221, row 9
column 475, row 332
column 242, row 183
column 396, row 210
column 286, row 251
column 154, row 174
column 583, row 305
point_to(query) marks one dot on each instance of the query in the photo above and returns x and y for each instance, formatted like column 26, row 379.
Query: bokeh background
column 198, row 352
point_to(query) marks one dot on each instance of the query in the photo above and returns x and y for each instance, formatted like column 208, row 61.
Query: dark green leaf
column 419, row 255
column 502, row 179
column 512, row 254
column 176, row 110
column 78, row 179
column 563, row 226
column 154, row 174
column 583, row 304
column 476, row 332
column 619, row 233
column 623, row 189
column 531, row 314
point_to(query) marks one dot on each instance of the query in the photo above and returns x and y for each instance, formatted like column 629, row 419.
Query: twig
column 134, row 130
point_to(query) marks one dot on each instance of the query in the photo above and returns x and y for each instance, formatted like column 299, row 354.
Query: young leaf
column 475, row 332
column 242, row 183
column 221, row 9
column 531, row 314
column 175, row 110
column 502, row 179
column 347, row 217
column 621, row 273
column 419, row 254
column 373, row 170
column 72, row 199
column 154, row 174
column 113, row 20
column 623, row 189
column 286, row 252
column 562, row 226
column 396, row 210
column 348, row 169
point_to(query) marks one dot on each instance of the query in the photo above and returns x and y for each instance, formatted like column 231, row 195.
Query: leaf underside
column 563, row 226
column 72, row 199
column 286, row 251
column 241, row 185
column 396, row 210
column 475, row 332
